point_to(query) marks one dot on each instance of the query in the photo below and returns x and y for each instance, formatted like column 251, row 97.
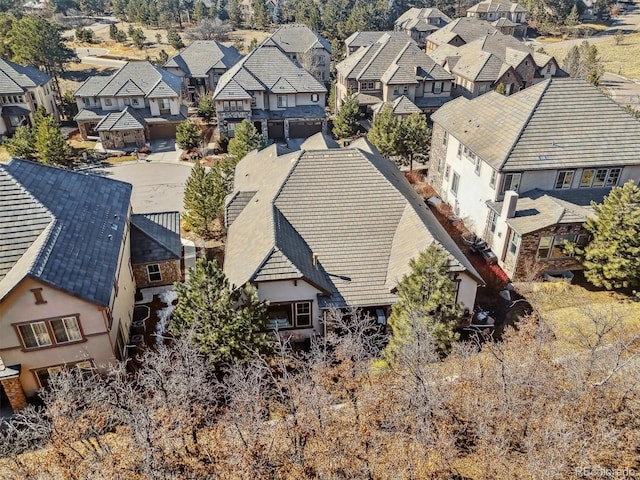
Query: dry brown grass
column 4, row 155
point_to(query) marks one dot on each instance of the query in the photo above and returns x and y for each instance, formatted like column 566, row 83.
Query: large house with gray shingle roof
column 419, row 23
column 305, row 46
column 459, row 32
column 66, row 284
column 200, row 66
column 276, row 94
column 329, row 227
column 392, row 67
column 492, row 60
column 138, row 103
column 22, row 91
column 508, row 17
column 522, row 170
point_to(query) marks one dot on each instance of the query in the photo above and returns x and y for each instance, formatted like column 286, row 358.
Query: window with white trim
column 153, row 272
column 564, row 179
column 107, row 102
column 511, row 182
column 445, row 138
column 455, row 183
column 493, row 221
column 165, row 105
column 447, row 172
column 282, row 101
column 459, row 150
column 494, row 177
column 437, row 87
column 477, row 166
column 600, row 177
column 45, row 333
column 554, row 246
column 85, row 368
column 290, row 315
column 514, row 242
column 315, row 97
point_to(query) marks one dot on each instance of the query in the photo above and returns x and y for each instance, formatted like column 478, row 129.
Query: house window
column 553, row 247
column 587, row 177
column 15, row 121
column 367, row 85
column 165, row 105
column 549, row 68
column 544, row 247
column 66, row 330
column 320, row 60
column 455, row 183
column 600, row 177
column 315, row 97
column 35, row 335
column 447, row 172
column 153, row 272
column 564, row 179
column 396, row 91
column 459, row 150
column 477, row 166
column 107, row 102
column 511, row 182
column 445, row 138
column 289, row 315
column 493, row 221
column 254, row 102
column 134, row 101
column 85, row 369
column 436, row 87
column 514, row 243
column 282, row 101
column 614, row 176
column 37, row 293
column 494, row 177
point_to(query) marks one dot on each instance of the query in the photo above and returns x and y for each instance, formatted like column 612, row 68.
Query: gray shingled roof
column 393, row 59
column 363, row 39
column 400, row 106
column 558, row 123
column 155, row 237
column 268, row 69
column 15, row 79
column 132, row 79
column 498, row 6
column 350, row 207
column 127, row 119
column 203, row 55
column 480, row 67
column 467, row 28
column 537, row 209
column 410, row 18
column 296, row 38
column 78, row 251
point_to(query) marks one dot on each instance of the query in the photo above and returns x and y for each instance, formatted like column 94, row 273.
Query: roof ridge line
column 112, row 76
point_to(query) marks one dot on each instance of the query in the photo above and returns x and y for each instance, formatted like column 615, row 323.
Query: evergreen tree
column 138, row 38
column 501, row 89
column 200, row 201
column 113, row 31
column 573, row 18
column 383, row 132
column 260, row 14
column 188, row 136
column 228, row 323
column 235, row 13
column 612, row 258
column 413, row 138
column 50, row 143
column 346, row 123
column 199, row 11
column 207, row 107
column 426, row 298
column 245, row 139
column 22, row 143
column 163, row 57
column 253, row 44
column 174, row 39
column 583, row 61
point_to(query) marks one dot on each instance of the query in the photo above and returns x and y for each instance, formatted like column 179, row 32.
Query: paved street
column 157, row 187
column 623, row 90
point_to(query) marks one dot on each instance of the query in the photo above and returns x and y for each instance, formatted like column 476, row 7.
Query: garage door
column 304, row 129
column 276, row 130
column 162, row 130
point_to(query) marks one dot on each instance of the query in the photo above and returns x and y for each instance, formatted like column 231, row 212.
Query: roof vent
column 114, row 226
column 109, row 236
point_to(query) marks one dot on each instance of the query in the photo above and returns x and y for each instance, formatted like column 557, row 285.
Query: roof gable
column 203, row 55
column 155, row 237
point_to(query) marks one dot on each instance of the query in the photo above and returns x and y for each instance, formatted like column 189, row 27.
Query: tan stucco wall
column 122, row 303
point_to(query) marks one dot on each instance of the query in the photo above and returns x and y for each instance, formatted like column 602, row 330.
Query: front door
column 129, row 138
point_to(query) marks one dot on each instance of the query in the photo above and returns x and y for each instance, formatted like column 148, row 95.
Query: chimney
column 509, row 204
column 314, row 258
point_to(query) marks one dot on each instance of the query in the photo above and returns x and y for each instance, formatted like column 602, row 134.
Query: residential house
column 419, row 23
column 273, row 7
column 495, row 59
column 329, row 227
column 22, row 91
column 66, row 284
column 305, row 46
column 522, row 169
column 156, row 249
column 266, row 87
column 364, row 39
column 502, row 14
column 459, row 32
column 138, row 103
column 392, row 67
column 200, row 66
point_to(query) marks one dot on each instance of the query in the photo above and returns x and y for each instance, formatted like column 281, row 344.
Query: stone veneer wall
column 169, row 271
column 438, row 153
column 15, row 393
column 527, row 254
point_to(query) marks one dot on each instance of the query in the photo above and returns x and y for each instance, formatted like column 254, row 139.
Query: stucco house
column 307, row 47
column 275, row 93
column 66, row 284
column 200, row 66
column 138, row 103
column 22, row 91
column 492, row 60
column 419, row 23
column 156, row 249
column 392, row 67
column 509, row 17
column 329, row 227
column 521, row 170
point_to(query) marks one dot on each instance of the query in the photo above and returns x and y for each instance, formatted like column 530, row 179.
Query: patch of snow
column 163, row 322
column 168, row 297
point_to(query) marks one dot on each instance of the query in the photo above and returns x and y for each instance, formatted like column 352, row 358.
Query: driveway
column 164, row 150
column 157, row 187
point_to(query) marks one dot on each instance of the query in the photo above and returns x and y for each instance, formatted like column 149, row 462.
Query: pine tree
column 383, row 132
column 138, row 38
column 50, row 143
column 413, row 138
column 199, row 11
column 200, row 201
column 188, row 136
column 582, row 61
column 235, row 13
column 228, row 323
column 22, row 143
column 426, row 298
column 207, row 107
column 573, row 18
column 245, row 139
column 612, row 258
column 260, row 14
column 174, row 39
column 346, row 123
